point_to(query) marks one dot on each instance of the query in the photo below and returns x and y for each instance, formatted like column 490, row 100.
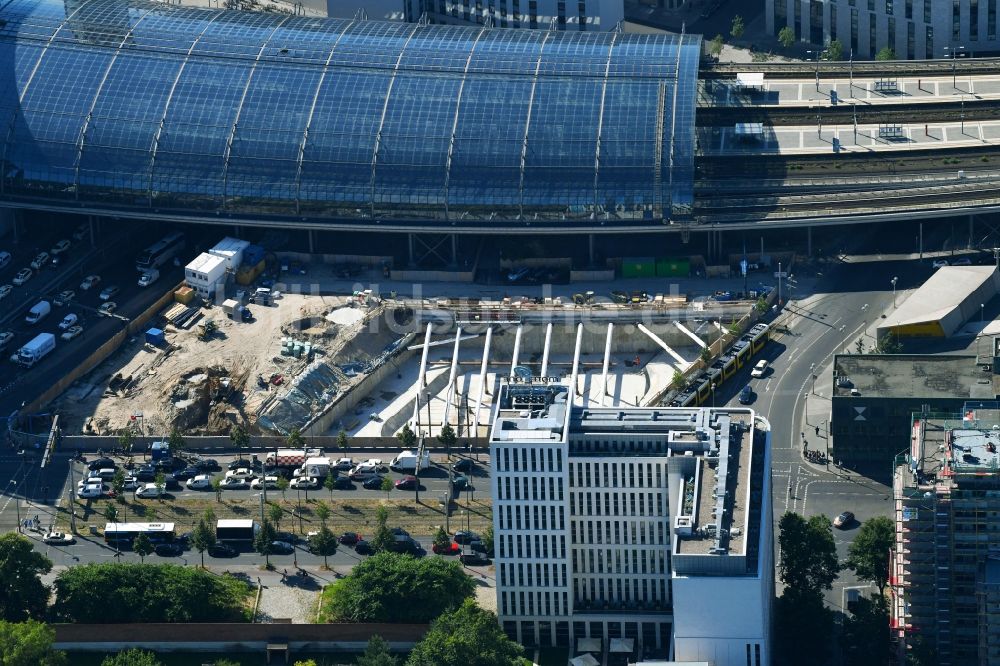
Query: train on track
column 700, row 388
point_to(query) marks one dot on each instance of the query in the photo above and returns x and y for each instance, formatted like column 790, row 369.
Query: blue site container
column 155, row 336
column 253, row 255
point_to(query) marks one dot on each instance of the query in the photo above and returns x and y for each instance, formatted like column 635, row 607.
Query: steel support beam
column 483, row 377
column 545, row 350
column 607, row 362
column 517, row 349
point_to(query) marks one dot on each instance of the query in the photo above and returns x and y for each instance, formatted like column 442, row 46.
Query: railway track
column 889, row 68
column 845, row 113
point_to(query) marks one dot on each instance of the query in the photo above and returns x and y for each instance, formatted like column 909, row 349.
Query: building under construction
column 945, row 565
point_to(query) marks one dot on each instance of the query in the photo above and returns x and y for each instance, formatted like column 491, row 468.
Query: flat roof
column 911, row 376
column 205, row 262
column 940, row 295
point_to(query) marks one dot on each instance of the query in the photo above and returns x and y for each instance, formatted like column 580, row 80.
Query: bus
column 160, row 252
column 123, row 534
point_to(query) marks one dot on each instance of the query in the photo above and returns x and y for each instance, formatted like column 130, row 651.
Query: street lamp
column 954, row 52
column 812, row 367
column 17, row 504
column 713, row 394
column 817, row 53
column 893, row 281
column 852, row 78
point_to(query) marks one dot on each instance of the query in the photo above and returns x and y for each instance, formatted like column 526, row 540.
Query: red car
column 408, row 482
column 450, row 549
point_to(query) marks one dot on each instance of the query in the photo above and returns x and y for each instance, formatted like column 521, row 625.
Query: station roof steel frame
column 134, row 105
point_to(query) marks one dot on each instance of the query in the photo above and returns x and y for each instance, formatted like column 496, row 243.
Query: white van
column 149, row 490
column 39, row 311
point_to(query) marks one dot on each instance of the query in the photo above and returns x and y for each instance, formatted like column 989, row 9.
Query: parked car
column 460, row 482
column 5, row 290
column 286, row 536
column 465, row 536
column 241, row 473
column 150, row 490
column 40, row 260
column 474, row 559
column 408, row 482
column 22, row 276
column 282, row 547
column 108, row 292
column 235, row 483
column 60, row 247
column 343, row 464
column 200, row 482
column 964, row 261
column 64, row 298
column 843, row 520
column 372, row 483
column 72, row 332
column 746, row 395
column 101, row 463
column 58, row 538
column 350, row 538
column 271, row 481
column 760, row 369
column 187, row 473
column 5, row 338
column 207, row 464
column 451, row 549
column 93, row 491
column 222, row 550
column 145, row 472
column 108, row 308
column 90, row 282
column 131, row 483
column 343, row 483
column 240, row 463
column 169, row 549
column 304, row 483
column 363, row 548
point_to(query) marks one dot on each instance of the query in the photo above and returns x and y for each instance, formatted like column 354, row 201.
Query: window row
column 619, row 561
column 533, row 603
column 534, row 488
column 532, row 517
column 613, row 474
column 532, row 546
column 617, row 504
column 529, row 459
column 624, row 532
column 591, row 591
column 526, row 574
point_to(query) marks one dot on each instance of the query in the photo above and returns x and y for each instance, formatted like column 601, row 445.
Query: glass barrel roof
column 128, row 104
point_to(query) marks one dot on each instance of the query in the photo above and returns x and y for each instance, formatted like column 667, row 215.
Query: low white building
column 230, row 249
column 205, row 273
column 651, row 525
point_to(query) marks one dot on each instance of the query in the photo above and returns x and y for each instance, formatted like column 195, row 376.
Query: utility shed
column 952, row 296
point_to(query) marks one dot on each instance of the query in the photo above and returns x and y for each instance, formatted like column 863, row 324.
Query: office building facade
column 645, row 525
column 913, row 29
column 581, row 15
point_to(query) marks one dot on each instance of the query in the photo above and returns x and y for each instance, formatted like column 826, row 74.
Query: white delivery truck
column 38, row 312
column 148, row 277
column 35, row 350
column 290, row 457
column 406, row 461
column 317, row 467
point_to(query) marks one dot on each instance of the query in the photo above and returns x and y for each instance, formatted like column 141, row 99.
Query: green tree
column 715, row 46
column 407, row 438
column 835, row 50
column 29, row 644
column 240, row 438
column 447, row 437
column 126, row 439
column 142, row 546
column 217, row 487
column 786, row 36
column 386, row 486
column 808, row 553
column 160, row 481
column 176, row 442
column 868, row 554
column 706, row 354
column 305, row 662
column 864, row 640
column 677, row 381
column 441, row 540
column 323, row 543
column 118, row 485
column 889, row 344
column 283, row 485
column 225, row 662
column 263, row 543
column 859, row 346
column 295, row 440
column 798, row 614
column 133, row 657
column 22, row 595
column 275, row 513
column 391, row 587
column 737, row 28
column 377, row 653
column 466, row 635
column 921, row 651
column 487, row 539
column 111, row 513
column 147, row 593
column 322, row 512
column 330, row 483
column 203, row 537
column 761, row 305
column 382, row 539
column 342, row 441
column 885, row 53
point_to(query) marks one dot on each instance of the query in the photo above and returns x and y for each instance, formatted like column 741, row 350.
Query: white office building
column 913, row 29
column 558, row 14
column 205, row 274
column 648, row 528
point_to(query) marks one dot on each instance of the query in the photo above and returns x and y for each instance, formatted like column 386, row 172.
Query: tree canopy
column 885, row 53
column 28, row 644
column 864, row 641
column 803, row 627
column 377, row 653
column 390, row 587
column 133, row 657
column 22, row 595
column 738, row 27
column 466, row 636
column 382, row 539
column 868, row 554
column 786, row 36
column 407, row 438
column 147, row 593
column 808, row 553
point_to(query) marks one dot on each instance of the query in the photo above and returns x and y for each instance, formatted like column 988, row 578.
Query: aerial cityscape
column 499, row 332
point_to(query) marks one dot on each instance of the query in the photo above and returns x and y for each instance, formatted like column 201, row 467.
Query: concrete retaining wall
column 371, row 261
column 101, row 353
column 395, row 421
column 431, row 276
column 257, row 444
